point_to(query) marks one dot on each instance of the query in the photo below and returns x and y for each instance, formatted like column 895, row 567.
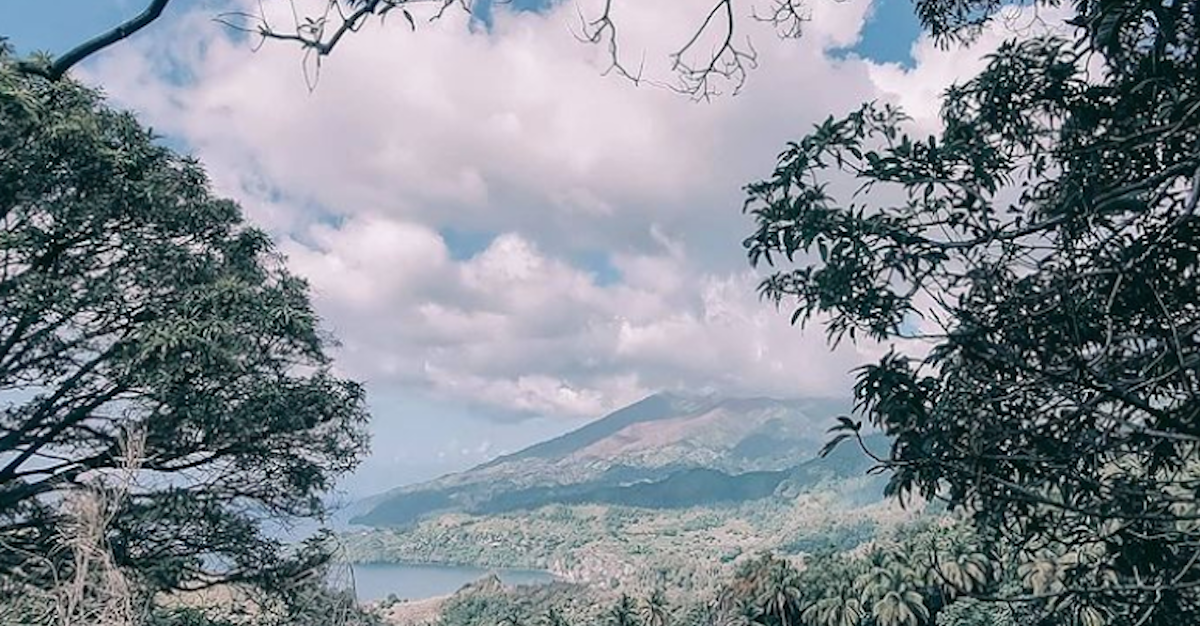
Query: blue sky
column 56, row 25
column 507, row 242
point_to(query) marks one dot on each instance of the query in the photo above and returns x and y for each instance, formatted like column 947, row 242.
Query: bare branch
column 787, row 16
column 727, row 61
column 319, row 34
column 600, row 29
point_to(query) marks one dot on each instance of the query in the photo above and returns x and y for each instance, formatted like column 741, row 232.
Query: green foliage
column 132, row 300
column 905, row 581
column 655, row 610
column 623, row 612
column 189, row 616
column 488, row 603
column 552, row 617
column 838, row 538
column 308, row 602
column 682, row 550
column 969, row 612
column 920, row 575
column 1044, row 246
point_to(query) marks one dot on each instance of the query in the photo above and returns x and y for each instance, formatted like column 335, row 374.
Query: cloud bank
column 485, row 217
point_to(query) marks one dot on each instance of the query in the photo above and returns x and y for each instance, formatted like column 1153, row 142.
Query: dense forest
column 169, row 393
column 925, row 573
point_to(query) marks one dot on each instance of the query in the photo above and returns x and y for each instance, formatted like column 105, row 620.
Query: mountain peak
column 652, row 439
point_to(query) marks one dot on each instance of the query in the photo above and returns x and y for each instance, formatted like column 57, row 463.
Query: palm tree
column 654, row 610
column 962, row 573
column 698, row 614
column 1042, row 573
column 623, row 613
column 834, row 610
column 873, row 583
column 902, row 605
column 745, row 612
column 1090, row 616
column 953, row 562
column 890, row 588
column 781, row 595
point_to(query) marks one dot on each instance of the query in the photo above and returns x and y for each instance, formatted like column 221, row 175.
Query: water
column 374, row 581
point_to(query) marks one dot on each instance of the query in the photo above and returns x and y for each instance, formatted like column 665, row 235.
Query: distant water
column 374, row 581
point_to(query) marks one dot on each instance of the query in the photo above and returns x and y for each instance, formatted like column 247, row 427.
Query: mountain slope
column 665, row 451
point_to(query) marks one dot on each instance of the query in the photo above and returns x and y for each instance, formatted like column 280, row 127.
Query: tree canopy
column 1035, row 266
column 134, row 303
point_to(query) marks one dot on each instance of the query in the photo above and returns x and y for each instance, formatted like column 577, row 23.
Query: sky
column 508, row 242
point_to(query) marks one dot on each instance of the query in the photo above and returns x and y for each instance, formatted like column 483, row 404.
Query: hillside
column 666, row 451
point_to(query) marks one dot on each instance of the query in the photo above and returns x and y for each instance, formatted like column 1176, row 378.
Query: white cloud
column 516, row 133
column 369, row 261
column 918, row 90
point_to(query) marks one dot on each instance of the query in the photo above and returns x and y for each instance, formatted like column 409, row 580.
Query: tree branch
column 59, row 67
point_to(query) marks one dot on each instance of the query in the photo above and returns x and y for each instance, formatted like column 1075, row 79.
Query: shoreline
column 376, row 581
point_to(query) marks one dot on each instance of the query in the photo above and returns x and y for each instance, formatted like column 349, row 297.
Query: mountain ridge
column 650, row 451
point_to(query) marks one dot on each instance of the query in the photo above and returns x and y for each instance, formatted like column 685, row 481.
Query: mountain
column 666, row 451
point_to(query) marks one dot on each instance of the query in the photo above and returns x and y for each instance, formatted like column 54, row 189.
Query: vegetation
column 626, row 548
column 1035, row 263
column 1041, row 254
column 166, row 386
column 922, row 574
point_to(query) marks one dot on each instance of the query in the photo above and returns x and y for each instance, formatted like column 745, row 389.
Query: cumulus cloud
column 918, row 89
column 610, row 264
column 515, row 328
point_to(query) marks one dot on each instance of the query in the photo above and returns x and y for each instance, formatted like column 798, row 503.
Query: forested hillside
column 685, row 522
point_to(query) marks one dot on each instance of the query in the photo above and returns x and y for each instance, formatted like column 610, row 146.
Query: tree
column 970, row 612
column 900, row 604
column 741, row 611
column 654, row 609
column 552, row 617
column 55, row 69
column 779, row 593
column 133, row 300
column 513, row 616
column 953, row 561
column 837, row 607
column 623, row 612
column 1035, row 266
column 889, row 588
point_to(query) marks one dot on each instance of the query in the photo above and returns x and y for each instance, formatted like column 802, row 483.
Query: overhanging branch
column 56, row 69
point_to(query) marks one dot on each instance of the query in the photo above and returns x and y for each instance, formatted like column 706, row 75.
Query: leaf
column 849, row 424
column 831, row 444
